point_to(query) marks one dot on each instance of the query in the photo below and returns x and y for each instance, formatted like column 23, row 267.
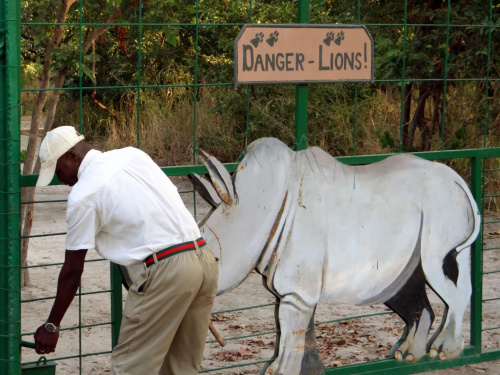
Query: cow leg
column 451, row 281
column 297, row 353
column 412, row 305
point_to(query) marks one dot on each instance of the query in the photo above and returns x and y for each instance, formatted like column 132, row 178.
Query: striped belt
column 172, row 250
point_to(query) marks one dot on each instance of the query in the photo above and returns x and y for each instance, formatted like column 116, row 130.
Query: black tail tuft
column 450, row 266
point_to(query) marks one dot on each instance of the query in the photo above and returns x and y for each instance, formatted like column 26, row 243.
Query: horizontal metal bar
column 55, row 201
column 30, row 180
column 142, row 24
column 491, row 272
column 77, row 294
column 491, row 299
column 428, row 155
column 234, row 366
column 354, row 317
column 71, row 357
column 61, row 263
column 180, row 85
column 218, row 84
column 491, row 222
column 393, row 367
column 491, row 248
column 207, row 24
column 246, row 336
column 27, row 344
column 244, row 308
column 73, row 328
column 45, row 235
column 490, row 329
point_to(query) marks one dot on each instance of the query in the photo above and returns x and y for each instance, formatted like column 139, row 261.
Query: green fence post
column 301, row 92
column 10, row 296
column 476, row 309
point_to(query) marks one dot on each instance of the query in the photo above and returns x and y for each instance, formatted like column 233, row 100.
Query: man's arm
column 67, row 286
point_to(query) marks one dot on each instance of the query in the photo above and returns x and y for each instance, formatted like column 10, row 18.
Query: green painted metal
column 301, row 91
column 403, row 78
column 393, row 367
column 10, row 296
column 488, row 72
column 9, row 166
column 477, row 260
column 446, row 70
column 41, row 367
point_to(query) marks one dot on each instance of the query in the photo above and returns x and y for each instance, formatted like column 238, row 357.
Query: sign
column 298, row 53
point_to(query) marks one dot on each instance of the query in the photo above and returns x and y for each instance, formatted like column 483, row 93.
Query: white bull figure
column 318, row 230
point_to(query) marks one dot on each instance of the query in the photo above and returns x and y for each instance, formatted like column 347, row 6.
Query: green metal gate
column 483, row 161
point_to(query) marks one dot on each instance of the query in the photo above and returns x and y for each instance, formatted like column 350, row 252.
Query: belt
column 172, row 250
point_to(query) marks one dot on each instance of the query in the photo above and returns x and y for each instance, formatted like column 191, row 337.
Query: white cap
column 55, row 144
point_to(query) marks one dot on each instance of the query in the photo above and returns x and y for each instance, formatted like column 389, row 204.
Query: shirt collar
column 87, row 160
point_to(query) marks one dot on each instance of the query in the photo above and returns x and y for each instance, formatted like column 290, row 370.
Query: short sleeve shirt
column 125, row 207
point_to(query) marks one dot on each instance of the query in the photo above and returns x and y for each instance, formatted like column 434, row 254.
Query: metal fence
column 482, row 162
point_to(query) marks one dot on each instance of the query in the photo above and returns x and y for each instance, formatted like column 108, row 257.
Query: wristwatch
column 51, row 327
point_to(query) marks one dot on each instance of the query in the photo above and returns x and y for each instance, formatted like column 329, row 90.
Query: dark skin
column 72, row 269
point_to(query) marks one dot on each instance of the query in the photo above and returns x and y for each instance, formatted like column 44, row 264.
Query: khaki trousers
column 166, row 316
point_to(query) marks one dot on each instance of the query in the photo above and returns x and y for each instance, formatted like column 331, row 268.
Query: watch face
column 50, row 327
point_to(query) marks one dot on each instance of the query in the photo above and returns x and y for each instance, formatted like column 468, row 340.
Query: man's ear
column 73, row 155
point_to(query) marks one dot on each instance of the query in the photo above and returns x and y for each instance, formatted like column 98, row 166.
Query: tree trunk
column 27, row 194
column 406, row 113
column 418, row 119
column 30, row 191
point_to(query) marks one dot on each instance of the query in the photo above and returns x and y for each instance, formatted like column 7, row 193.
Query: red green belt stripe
column 175, row 249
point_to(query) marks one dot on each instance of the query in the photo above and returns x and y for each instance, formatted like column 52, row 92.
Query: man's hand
column 45, row 341
column 67, row 286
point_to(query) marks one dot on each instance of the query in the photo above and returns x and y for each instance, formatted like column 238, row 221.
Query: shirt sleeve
column 83, row 226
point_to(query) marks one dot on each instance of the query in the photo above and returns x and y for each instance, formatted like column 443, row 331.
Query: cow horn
column 206, row 190
column 220, row 177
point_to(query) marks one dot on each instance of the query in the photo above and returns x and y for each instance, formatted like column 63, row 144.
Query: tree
column 64, row 64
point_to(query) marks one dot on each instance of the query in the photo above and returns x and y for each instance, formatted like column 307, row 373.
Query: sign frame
column 371, row 53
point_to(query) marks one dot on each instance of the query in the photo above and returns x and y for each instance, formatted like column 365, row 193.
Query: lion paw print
column 259, row 37
column 339, row 38
column 329, row 37
column 273, row 38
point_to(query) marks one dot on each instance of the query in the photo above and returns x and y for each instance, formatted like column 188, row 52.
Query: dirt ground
column 339, row 342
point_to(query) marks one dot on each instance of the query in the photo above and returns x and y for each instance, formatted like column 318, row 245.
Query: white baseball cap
column 55, row 144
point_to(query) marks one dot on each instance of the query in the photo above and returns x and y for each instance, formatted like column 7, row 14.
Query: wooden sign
column 303, row 54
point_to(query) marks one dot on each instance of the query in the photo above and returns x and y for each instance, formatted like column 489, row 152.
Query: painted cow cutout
column 318, row 230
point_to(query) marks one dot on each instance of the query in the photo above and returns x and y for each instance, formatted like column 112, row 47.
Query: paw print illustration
column 259, row 37
column 329, row 37
column 339, row 38
column 273, row 38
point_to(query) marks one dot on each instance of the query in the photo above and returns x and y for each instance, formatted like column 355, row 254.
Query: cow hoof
column 410, row 358
column 442, row 356
column 398, row 355
column 433, row 353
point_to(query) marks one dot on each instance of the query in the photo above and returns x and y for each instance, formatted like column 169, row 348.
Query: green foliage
column 183, row 42
column 22, row 156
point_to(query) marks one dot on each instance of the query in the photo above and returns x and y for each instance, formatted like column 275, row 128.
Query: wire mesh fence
column 159, row 76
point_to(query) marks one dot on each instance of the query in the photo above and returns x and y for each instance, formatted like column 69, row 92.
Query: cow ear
column 220, row 177
column 206, row 190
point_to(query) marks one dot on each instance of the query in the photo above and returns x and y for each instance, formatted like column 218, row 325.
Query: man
column 124, row 206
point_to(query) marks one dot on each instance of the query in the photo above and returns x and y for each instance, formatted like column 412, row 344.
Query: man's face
column 67, row 168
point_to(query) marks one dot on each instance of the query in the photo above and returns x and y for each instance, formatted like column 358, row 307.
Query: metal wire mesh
column 141, row 87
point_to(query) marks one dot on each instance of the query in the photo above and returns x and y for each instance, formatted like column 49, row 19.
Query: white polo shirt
column 125, row 207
